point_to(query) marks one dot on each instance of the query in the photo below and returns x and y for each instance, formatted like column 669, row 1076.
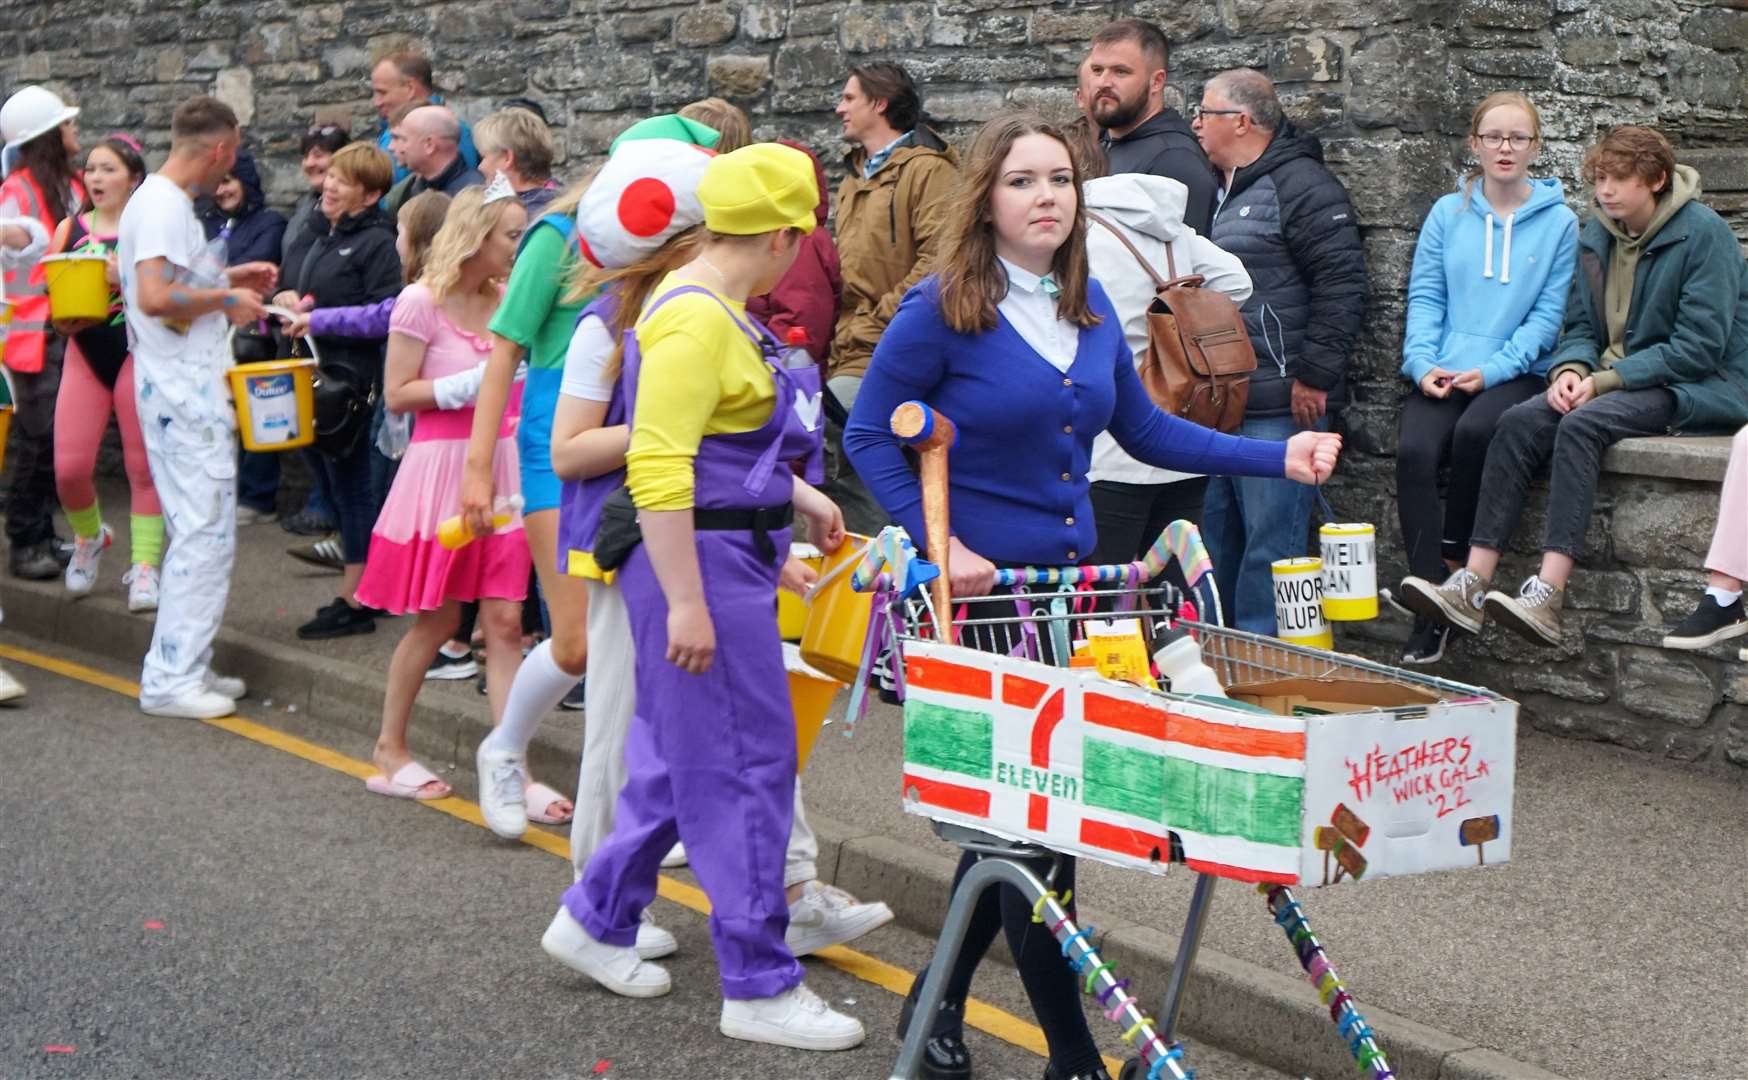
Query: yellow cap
column 758, row 189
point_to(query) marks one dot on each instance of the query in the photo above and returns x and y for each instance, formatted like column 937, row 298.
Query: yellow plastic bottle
column 453, row 533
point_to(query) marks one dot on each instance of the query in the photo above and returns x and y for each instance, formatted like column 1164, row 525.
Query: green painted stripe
column 1124, row 779
column 953, row 740
column 1229, row 802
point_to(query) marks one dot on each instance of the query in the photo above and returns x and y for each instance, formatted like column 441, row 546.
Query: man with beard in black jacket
column 1289, row 220
column 1122, row 89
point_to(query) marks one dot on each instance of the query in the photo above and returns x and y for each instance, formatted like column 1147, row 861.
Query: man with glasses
column 1122, row 90
column 1289, row 220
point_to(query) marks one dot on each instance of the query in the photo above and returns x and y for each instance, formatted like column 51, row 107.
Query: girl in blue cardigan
column 1485, row 301
column 1014, row 343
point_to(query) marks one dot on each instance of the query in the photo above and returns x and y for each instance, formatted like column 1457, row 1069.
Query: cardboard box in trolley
column 1404, row 782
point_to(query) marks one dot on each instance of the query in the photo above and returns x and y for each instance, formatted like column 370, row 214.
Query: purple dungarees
column 710, row 759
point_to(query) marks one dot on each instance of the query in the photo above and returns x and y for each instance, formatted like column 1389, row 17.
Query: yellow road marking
column 981, row 1015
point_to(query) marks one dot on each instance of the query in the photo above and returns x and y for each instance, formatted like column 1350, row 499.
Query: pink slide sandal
column 540, row 799
column 410, row 781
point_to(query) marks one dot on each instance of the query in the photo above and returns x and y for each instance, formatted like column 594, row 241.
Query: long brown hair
column 972, row 281
column 421, row 216
column 46, row 159
column 635, row 282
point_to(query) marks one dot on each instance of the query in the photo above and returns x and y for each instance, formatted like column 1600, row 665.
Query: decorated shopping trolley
column 1313, row 769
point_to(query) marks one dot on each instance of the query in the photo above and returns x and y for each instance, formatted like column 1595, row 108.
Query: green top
column 531, row 313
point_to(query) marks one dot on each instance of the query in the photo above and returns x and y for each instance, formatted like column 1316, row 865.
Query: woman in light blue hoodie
column 1485, row 301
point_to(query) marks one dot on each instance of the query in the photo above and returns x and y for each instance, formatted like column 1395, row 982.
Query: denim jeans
column 321, row 500
column 1248, row 523
column 258, row 480
column 1532, row 435
column 348, row 481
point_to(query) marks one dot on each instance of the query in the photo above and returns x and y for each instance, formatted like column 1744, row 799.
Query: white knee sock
column 540, row 685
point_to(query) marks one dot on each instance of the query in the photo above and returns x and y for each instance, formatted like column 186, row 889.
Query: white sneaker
column 503, row 790
column 228, row 685
column 653, row 942
column 675, row 858
column 248, row 515
column 201, row 705
column 82, row 570
column 10, row 689
column 796, row 1018
column 142, row 587
column 616, row 967
column 826, row 915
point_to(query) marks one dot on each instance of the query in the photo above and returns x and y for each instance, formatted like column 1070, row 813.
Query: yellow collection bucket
column 1299, row 602
column 792, row 609
column 837, row 615
column 276, row 404
column 810, row 694
column 78, row 285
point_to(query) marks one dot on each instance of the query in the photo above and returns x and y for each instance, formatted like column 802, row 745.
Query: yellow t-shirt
column 700, row 375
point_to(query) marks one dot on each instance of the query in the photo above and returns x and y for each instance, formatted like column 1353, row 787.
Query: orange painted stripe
column 1123, row 715
column 1234, row 739
column 1037, row 813
column 1026, row 693
column 1124, row 841
column 1044, row 727
column 1241, row 873
column 962, row 800
column 931, row 674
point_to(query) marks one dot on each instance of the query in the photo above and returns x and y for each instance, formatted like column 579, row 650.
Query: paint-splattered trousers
column 194, row 465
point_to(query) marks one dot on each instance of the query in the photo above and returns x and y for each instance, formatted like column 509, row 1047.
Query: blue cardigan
column 1018, row 489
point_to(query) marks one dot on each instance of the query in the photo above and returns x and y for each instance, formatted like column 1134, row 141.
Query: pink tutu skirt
column 408, row 571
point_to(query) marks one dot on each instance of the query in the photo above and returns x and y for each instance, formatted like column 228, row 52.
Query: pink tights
column 81, row 416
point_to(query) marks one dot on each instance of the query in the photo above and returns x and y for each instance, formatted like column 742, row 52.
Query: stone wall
column 1387, row 84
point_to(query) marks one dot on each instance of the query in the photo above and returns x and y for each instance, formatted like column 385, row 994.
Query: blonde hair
column 523, row 135
column 1488, row 104
column 465, row 228
column 635, row 283
column 420, row 218
column 726, row 117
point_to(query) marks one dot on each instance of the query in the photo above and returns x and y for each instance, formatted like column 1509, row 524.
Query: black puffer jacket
column 1165, row 145
column 341, row 265
column 1289, row 220
column 255, row 231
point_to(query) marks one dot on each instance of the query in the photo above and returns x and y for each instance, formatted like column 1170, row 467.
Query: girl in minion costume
column 710, row 754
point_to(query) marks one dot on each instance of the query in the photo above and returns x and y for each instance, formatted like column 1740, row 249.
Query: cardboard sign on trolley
column 1062, row 757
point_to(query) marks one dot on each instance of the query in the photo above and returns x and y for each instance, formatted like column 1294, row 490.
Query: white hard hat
column 32, row 111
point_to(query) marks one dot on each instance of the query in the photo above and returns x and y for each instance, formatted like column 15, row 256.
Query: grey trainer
column 1457, row 602
column 1534, row 613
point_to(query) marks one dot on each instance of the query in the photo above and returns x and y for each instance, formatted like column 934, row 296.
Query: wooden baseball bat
column 932, row 435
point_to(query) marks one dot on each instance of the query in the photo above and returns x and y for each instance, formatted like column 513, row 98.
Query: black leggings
column 1130, row 518
column 1454, row 431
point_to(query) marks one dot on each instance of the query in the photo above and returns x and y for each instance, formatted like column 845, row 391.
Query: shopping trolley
column 1134, row 790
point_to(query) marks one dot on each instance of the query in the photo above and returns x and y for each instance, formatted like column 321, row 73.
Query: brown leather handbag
column 1199, row 356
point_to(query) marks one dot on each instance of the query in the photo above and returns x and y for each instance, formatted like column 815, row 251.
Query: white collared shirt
column 1032, row 313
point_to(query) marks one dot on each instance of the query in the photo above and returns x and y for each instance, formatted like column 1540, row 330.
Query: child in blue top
column 1485, row 301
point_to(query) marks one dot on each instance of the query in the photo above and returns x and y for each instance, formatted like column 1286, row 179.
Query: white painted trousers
column 196, row 480
column 609, row 700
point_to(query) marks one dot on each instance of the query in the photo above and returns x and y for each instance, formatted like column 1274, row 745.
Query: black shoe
column 945, row 1055
column 1710, row 623
column 304, row 523
column 1098, row 1073
column 446, row 667
column 573, row 701
column 1427, row 644
column 63, row 550
column 36, row 562
column 480, row 686
column 338, row 619
column 325, row 553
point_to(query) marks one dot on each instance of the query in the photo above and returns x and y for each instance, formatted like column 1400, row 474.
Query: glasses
column 1198, row 111
column 1494, row 141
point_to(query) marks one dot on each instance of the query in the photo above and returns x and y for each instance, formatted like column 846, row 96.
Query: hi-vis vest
column 26, row 335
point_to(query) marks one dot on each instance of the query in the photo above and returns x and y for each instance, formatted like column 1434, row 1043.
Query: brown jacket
column 888, row 228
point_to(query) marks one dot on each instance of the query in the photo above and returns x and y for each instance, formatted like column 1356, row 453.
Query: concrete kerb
column 1231, row 1003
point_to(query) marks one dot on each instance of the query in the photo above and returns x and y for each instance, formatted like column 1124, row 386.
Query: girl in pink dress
column 437, row 348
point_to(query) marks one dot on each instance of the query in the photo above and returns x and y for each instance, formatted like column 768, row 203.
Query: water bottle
column 796, row 356
column 1180, row 661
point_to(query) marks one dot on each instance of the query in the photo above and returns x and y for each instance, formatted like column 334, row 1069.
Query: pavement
column 226, row 907
column 1618, row 917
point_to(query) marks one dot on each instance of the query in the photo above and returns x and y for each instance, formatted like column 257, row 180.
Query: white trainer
column 827, row 915
column 228, row 685
column 200, row 705
column 142, row 587
column 82, row 570
column 616, row 967
column 503, row 790
column 796, row 1018
column 676, row 857
column 10, row 689
column 653, row 942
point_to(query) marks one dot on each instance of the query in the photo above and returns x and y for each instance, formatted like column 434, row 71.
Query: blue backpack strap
column 566, row 225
